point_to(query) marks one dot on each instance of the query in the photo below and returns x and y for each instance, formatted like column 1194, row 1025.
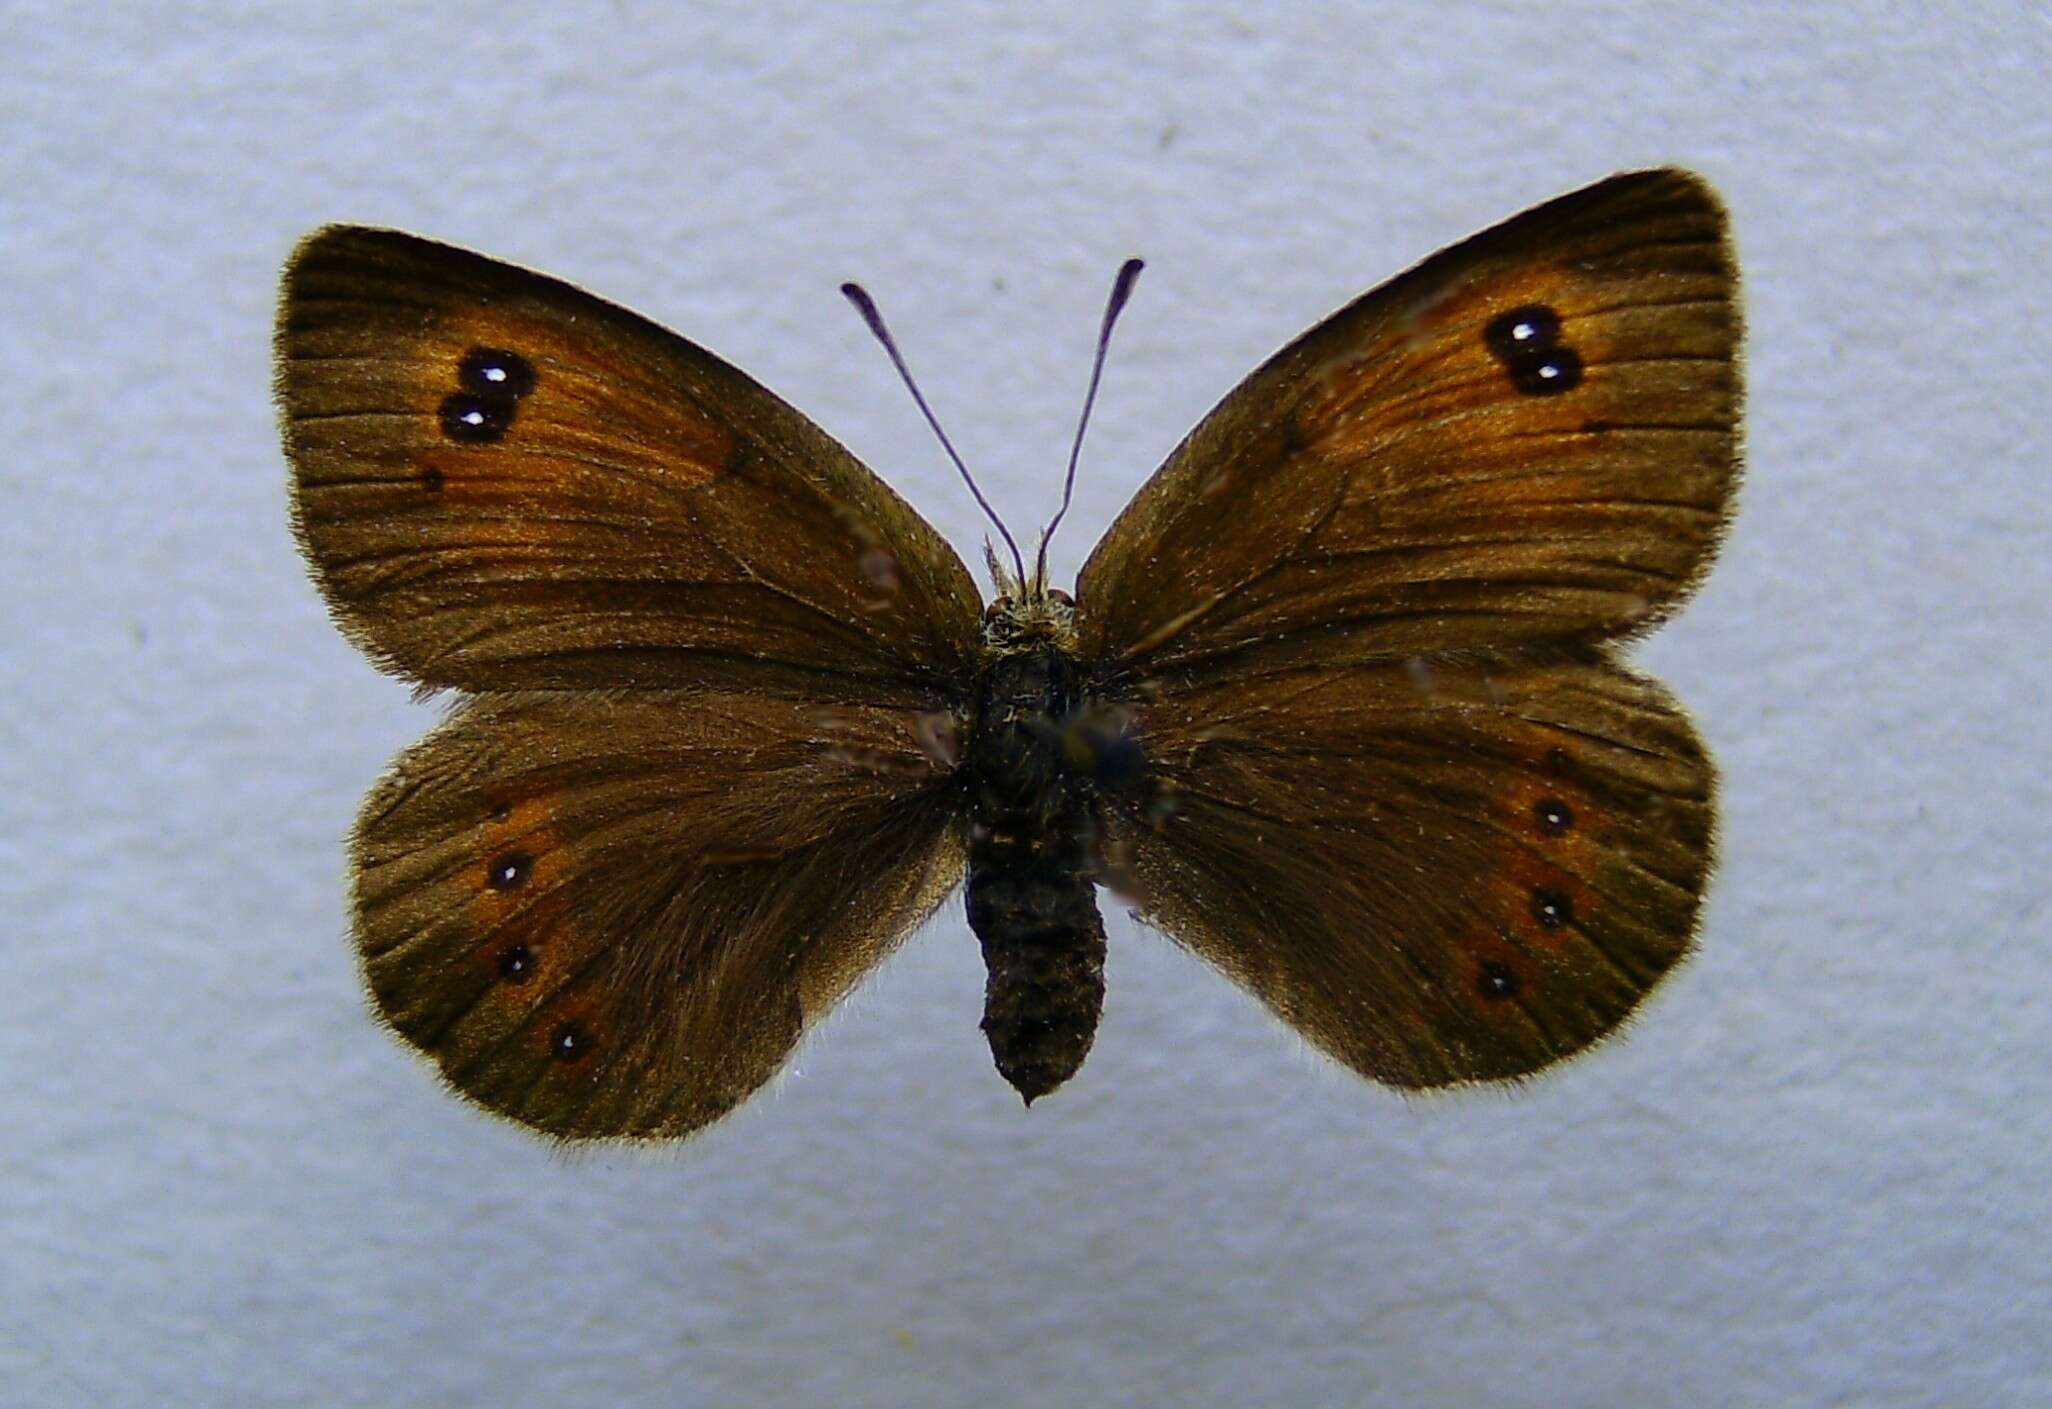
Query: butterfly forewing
column 503, row 482
column 614, row 915
column 1446, row 873
column 1530, row 437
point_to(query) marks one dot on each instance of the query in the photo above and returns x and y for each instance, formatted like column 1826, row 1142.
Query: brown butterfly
column 1336, row 703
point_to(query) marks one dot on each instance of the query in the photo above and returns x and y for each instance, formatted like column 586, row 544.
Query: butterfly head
column 1034, row 619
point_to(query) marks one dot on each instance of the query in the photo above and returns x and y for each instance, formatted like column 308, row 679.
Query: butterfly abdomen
column 1032, row 890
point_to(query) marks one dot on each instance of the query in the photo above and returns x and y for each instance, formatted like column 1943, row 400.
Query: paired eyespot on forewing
column 615, row 915
column 1438, row 873
column 503, row 482
column 1532, row 436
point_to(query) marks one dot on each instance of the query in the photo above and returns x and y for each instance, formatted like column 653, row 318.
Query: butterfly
column 1337, row 704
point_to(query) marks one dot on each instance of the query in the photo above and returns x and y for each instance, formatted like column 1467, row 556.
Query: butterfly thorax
column 1032, row 853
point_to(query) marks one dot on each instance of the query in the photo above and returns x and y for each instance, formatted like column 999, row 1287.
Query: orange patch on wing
column 574, row 1035
column 517, row 885
column 1420, row 381
column 1539, row 890
column 1494, row 974
column 1541, row 903
column 593, row 408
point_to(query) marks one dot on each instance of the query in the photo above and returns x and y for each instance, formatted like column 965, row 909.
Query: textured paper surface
column 1816, row 1171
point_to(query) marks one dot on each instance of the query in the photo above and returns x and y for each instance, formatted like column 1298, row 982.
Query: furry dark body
column 1032, row 887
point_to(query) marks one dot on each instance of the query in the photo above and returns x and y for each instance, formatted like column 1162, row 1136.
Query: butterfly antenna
column 1122, row 289
column 866, row 306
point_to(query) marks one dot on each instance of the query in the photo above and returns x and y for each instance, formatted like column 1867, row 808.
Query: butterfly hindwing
column 1437, row 874
column 614, row 914
column 1532, row 436
column 503, row 482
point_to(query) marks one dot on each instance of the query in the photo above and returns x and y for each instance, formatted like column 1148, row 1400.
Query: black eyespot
column 1558, row 760
column 1497, row 982
column 1553, row 815
column 491, row 371
column 431, row 480
column 502, row 812
column 569, row 1042
column 470, row 419
column 1527, row 342
column 1548, row 374
column 1552, row 909
column 1522, row 331
column 510, row 871
column 516, row 963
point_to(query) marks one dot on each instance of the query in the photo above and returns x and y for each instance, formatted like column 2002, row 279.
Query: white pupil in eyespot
column 473, row 418
column 494, row 374
column 1524, row 332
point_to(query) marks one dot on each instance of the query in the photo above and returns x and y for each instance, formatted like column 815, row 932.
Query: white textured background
column 1816, row 1173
